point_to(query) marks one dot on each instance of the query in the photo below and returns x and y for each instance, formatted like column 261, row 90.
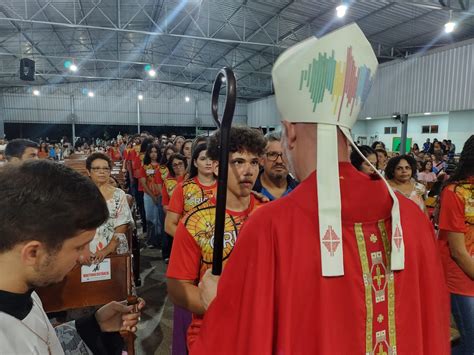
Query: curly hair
column 393, row 162
column 240, row 139
column 465, row 166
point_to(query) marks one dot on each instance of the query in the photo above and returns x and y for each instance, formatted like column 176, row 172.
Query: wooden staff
column 224, row 124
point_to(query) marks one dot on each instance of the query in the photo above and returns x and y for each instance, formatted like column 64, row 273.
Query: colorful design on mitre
column 331, row 241
column 340, row 79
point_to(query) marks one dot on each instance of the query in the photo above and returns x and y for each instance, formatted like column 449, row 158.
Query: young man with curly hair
column 193, row 242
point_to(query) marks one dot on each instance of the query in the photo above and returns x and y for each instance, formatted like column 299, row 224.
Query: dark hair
column 16, row 147
column 393, row 162
column 465, row 167
column 95, row 156
column 240, row 139
column 169, row 164
column 423, row 165
column 357, row 160
column 147, row 159
column 163, row 160
column 177, row 137
column 415, row 144
column 377, row 142
column 383, row 151
column 199, row 140
column 186, row 141
column 193, row 171
column 146, row 142
column 48, row 202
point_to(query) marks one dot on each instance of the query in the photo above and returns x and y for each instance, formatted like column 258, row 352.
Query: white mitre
column 326, row 81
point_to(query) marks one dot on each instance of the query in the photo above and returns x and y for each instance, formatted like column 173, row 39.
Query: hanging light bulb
column 73, row 67
column 450, row 25
column 341, row 10
column 36, row 92
column 152, row 73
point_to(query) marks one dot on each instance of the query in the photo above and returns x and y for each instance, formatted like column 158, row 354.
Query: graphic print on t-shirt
column 200, row 224
column 195, row 194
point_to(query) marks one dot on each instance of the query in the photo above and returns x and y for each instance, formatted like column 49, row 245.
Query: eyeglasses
column 273, row 156
column 177, row 165
column 97, row 168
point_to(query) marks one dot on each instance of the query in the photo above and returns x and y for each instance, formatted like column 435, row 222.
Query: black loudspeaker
column 27, row 69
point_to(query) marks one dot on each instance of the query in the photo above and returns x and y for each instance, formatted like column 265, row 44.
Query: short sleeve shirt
column 149, row 171
column 457, row 215
column 189, row 194
column 193, row 244
column 119, row 214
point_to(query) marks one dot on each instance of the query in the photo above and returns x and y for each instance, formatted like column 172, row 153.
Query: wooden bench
column 71, row 293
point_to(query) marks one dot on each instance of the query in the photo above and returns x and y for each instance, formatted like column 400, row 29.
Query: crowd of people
column 294, row 201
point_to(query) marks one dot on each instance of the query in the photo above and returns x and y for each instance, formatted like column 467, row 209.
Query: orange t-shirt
column 189, row 194
column 149, row 171
column 167, row 189
column 457, row 215
column 192, row 250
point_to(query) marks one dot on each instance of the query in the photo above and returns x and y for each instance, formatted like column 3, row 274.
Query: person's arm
column 459, row 253
column 183, row 270
column 186, row 294
column 171, row 222
column 146, row 189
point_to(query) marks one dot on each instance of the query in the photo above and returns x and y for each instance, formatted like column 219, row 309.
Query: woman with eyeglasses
column 106, row 240
column 199, row 187
column 177, row 165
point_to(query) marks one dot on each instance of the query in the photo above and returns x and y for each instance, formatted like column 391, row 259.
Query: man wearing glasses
column 274, row 180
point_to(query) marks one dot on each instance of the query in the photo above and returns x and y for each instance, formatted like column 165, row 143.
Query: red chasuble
column 272, row 298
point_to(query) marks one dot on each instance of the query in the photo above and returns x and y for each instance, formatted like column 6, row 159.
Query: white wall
column 461, row 127
column 457, row 126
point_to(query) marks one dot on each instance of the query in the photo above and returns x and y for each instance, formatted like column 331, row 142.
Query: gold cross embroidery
column 379, row 276
column 381, row 351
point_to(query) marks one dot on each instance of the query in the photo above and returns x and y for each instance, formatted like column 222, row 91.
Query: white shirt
column 16, row 337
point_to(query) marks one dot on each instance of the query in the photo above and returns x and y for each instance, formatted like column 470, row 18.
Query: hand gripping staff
column 225, row 75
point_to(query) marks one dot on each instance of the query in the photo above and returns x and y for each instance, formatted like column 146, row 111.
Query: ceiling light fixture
column 90, row 94
column 368, row 118
column 187, row 99
column 450, row 25
column 152, row 73
column 73, row 67
column 341, row 10
column 427, row 113
column 36, row 92
column 140, row 97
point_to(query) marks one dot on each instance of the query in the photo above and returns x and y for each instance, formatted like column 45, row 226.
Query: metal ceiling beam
column 401, row 24
column 124, row 30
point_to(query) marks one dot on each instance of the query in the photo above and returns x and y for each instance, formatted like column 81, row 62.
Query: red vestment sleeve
column 176, row 204
column 241, row 318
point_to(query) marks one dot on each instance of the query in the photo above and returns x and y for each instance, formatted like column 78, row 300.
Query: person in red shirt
column 200, row 186
column 137, row 164
column 193, row 242
column 152, row 193
column 343, row 264
column 456, row 241
column 177, row 165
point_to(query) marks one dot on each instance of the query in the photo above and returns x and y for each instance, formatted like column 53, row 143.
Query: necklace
column 46, row 342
